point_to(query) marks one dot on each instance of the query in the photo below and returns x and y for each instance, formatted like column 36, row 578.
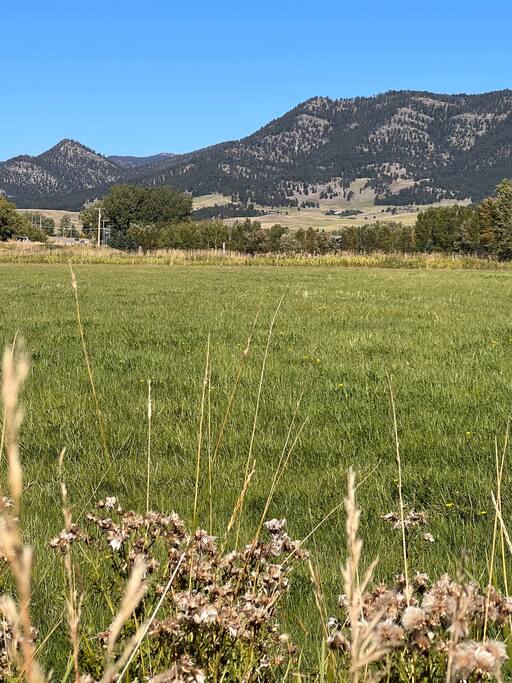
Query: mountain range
column 408, row 146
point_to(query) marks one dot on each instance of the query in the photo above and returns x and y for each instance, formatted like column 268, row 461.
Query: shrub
column 34, row 233
column 206, row 612
column 11, row 222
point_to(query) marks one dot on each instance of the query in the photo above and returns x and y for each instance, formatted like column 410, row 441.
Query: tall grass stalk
column 227, row 413
column 99, row 414
column 73, row 602
column 499, row 464
column 503, row 526
column 209, row 453
column 281, row 466
column 2, row 436
column 400, row 494
column 499, row 480
column 148, row 463
column 111, row 459
column 363, row 648
column 314, row 530
column 250, row 464
column 19, row 557
column 200, row 434
column 129, row 653
column 133, row 594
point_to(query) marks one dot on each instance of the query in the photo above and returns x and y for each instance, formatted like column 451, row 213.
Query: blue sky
column 127, row 77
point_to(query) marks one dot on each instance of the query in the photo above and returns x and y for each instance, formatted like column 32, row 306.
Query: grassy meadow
column 442, row 339
column 294, row 218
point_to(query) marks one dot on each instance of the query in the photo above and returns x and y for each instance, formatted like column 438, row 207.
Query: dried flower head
column 337, row 641
column 413, row 618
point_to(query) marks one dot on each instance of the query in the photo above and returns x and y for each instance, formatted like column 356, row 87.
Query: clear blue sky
column 127, row 77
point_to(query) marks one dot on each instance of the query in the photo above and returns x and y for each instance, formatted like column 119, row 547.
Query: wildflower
column 332, row 622
column 389, row 633
column 109, row 503
column 498, row 650
column 420, row 581
column 338, row 642
column 275, row 526
column 464, row 659
column 400, row 581
column 382, row 602
column 116, row 542
column 459, row 627
column 413, row 618
column 449, row 505
column 485, row 660
column 103, row 637
column 206, row 615
column 343, row 601
column 439, row 602
column 264, row 662
column 429, row 538
column 182, row 671
column 413, row 519
column 66, row 537
column 423, row 640
column 204, row 542
column 504, row 610
column 390, row 517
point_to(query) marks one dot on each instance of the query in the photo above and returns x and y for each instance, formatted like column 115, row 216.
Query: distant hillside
column 60, row 178
column 136, row 162
column 412, row 146
column 408, row 146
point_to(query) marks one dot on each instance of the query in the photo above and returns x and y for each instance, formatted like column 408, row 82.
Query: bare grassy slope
column 57, row 215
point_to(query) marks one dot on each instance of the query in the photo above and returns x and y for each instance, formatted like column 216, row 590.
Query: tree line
column 247, row 236
column 484, row 229
column 161, row 218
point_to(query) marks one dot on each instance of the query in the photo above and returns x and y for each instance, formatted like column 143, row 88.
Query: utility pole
column 99, row 226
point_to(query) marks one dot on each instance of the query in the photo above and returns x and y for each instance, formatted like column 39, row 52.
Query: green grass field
column 444, row 340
